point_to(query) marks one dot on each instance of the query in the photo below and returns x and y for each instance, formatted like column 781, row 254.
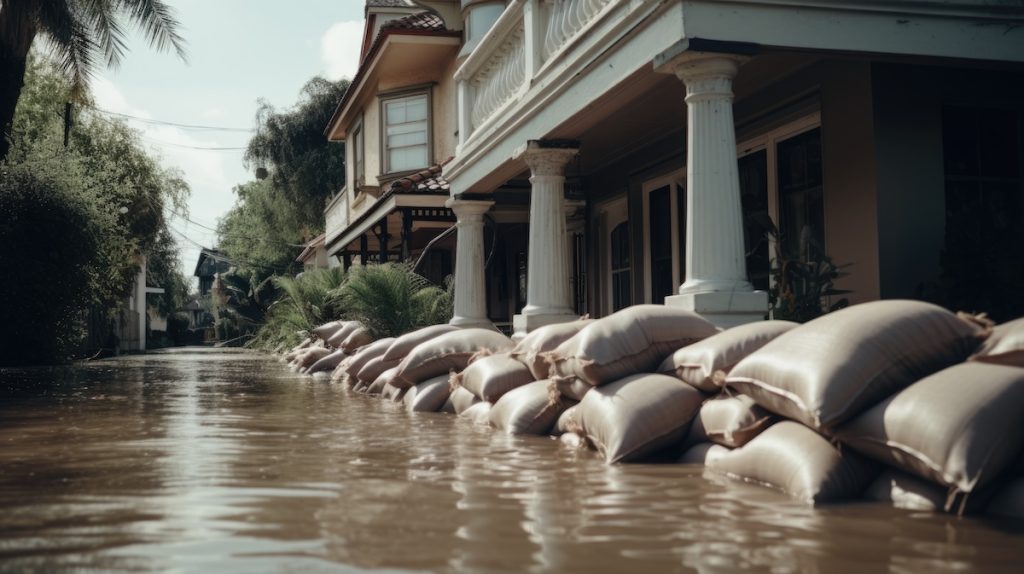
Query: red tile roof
column 427, row 21
column 428, row 180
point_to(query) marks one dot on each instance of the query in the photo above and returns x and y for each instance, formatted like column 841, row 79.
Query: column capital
column 691, row 67
column 547, row 157
column 468, row 208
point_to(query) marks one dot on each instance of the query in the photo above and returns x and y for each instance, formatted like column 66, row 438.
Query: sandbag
column 445, row 353
column 364, row 355
column 638, row 415
column 448, row 407
column 311, row 356
column 404, row 345
column 729, row 421
column 836, row 366
column 1005, row 346
column 342, row 333
column 566, row 421
column 527, row 410
column 798, row 461
column 906, row 491
column 479, row 413
column 428, row 396
column 462, row 399
column 704, row 363
column 959, row 427
column 703, row 453
column 530, row 349
column 358, row 338
column 324, row 332
column 384, row 379
column 569, row 387
column 492, row 376
column 634, row 340
column 374, row 367
column 328, row 363
column 297, row 349
column 393, row 393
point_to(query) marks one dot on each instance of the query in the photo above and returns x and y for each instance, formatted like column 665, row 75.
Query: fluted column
column 716, row 275
column 548, row 287
column 470, row 285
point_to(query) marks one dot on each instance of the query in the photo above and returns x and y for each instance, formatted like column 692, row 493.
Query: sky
column 238, row 52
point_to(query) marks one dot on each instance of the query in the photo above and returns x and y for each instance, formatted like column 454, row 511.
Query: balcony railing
column 526, row 40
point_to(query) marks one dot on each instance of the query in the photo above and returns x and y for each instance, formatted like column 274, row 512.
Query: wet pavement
column 222, row 460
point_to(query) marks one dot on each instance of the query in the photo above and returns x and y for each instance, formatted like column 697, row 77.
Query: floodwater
column 223, row 461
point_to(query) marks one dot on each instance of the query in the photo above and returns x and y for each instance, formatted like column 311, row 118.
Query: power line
column 174, row 124
column 177, row 145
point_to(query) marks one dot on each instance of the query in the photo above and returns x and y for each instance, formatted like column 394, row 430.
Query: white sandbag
column 446, row 353
column 800, row 462
column 829, row 370
column 448, row 406
column 393, row 393
column 404, row 345
column 527, row 410
column 479, row 413
column 374, row 367
column 531, row 348
column 960, row 427
column 384, row 379
column 324, row 332
column 704, row 363
column 703, row 453
column 566, row 421
column 634, row 340
column 357, row 339
column 729, row 421
column 1005, row 346
column 570, row 388
column 905, row 491
column 462, row 399
column 342, row 333
column 638, row 415
column 364, row 355
column 428, row 396
column 328, row 362
column 492, row 376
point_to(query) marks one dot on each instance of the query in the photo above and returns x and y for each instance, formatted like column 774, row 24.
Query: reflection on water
column 218, row 460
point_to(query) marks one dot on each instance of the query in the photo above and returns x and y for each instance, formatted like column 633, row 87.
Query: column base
column 522, row 325
column 724, row 308
column 471, row 322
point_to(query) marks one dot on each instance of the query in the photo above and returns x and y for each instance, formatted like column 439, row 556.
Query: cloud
column 339, row 49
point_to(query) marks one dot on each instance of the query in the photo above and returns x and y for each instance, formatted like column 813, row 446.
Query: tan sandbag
column 1005, row 346
column 311, row 356
column 729, row 421
column 527, row 410
column 404, row 345
column 384, row 379
column 449, row 352
column 704, row 363
column 800, row 462
column 703, row 453
column 569, row 387
column 1008, row 501
column 328, row 362
column 358, row 338
column 530, row 349
column 374, row 367
column 634, row 340
column 448, row 406
column 905, row 491
column 428, row 396
column 462, row 399
column 492, row 376
column 638, row 415
column 479, row 413
column 324, row 332
column 364, row 355
column 393, row 393
column 342, row 333
column 829, row 370
column 566, row 421
column 960, row 427
column 338, row 375
column 297, row 349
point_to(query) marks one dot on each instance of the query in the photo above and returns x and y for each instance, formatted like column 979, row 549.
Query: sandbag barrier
column 900, row 402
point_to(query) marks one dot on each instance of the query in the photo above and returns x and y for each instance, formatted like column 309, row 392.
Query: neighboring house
column 314, row 254
column 210, row 263
column 877, row 132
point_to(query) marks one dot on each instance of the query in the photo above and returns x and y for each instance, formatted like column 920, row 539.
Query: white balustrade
column 566, row 19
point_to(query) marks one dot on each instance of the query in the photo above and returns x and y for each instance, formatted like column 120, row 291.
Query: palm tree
column 78, row 33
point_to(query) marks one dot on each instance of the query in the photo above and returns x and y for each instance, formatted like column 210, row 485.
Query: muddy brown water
column 223, row 461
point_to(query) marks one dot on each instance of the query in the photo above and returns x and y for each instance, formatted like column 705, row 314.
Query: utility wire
column 174, row 124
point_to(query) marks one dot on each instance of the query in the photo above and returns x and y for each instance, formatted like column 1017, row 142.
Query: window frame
column 358, row 132
column 408, row 92
column 675, row 181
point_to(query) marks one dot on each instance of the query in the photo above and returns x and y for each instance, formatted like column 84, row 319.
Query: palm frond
column 69, row 40
column 157, row 22
column 110, row 35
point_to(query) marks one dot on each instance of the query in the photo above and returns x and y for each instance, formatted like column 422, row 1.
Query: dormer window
column 406, row 138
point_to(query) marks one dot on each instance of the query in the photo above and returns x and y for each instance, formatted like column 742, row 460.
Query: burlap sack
column 800, row 462
column 959, row 427
column 297, row 349
column 342, row 333
column 364, row 355
column 834, row 367
column 527, row 410
column 447, row 352
column 428, row 396
column 384, row 379
column 324, row 332
column 311, row 356
column 328, row 362
column 638, row 415
column 566, row 421
column 462, row 399
column 633, row 340
column 902, row 490
column 1005, row 346
column 479, row 413
column 703, row 453
column 492, row 376
column 529, row 351
column 729, row 421
column 358, row 338
column 404, row 345
column 374, row 367
column 704, row 363
column 570, row 388
column 393, row 393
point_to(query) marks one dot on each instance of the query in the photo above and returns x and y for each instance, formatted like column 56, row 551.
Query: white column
column 716, row 275
column 470, row 285
column 548, row 289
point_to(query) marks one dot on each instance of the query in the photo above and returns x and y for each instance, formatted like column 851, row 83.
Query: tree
column 78, row 33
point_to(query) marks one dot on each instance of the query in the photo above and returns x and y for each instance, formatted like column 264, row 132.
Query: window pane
column 406, row 134
column 395, row 112
column 660, row 226
column 802, row 210
column 406, row 158
column 407, row 139
column 753, row 170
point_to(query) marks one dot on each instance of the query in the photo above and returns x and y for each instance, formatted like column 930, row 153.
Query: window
column 753, row 170
column 620, row 267
column 801, row 209
column 406, row 133
column 358, row 155
column 664, row 235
